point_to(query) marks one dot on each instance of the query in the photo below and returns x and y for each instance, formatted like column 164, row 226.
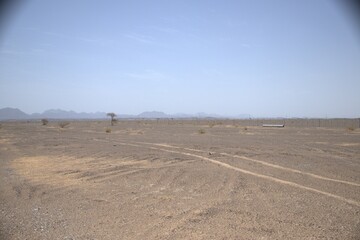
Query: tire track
column 263, row 163
column 228, row 166
column 292, row 170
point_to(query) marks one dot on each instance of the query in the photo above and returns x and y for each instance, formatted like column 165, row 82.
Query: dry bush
column 63, row 124
column 245, row 128
column 201, row 131
column 108, row 130
column 44, row 122
column 350, row 128
column 212, row 125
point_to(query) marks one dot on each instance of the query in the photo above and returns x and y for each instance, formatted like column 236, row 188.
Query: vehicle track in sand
column 157, row 147
column 260, row 162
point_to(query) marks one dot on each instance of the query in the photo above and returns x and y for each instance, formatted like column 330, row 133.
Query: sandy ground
column 167, row 180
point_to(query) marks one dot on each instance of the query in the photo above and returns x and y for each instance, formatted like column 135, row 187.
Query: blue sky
column 263, row 58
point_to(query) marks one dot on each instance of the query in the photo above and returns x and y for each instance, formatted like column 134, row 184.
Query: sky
column 266, row 58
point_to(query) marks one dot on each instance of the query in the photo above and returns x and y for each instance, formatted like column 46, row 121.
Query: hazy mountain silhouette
column 62, row 114
column 153, row 114
column 12, row 113
column 16, row 114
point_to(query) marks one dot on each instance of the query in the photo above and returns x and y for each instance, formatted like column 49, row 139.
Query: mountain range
column 17, row 114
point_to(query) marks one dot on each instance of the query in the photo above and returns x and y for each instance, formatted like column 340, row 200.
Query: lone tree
column 113, row 120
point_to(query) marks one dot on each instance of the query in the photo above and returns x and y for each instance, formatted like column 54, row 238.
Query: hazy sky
column 265, row 58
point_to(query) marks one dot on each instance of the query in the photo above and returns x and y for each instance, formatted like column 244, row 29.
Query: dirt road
column 178, row 180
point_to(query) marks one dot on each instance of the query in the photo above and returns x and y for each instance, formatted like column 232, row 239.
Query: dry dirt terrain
column 178, row 180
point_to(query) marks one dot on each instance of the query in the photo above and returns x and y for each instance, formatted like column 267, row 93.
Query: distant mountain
column 206, row 115
column 182, row 115
column 153, row 114
column 62, row 114
column 12, row 114
column 16, row 114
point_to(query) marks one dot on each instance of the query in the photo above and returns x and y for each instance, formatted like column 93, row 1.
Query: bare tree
column 112, row 115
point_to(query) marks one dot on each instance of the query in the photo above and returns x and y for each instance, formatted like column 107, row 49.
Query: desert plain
column 178, row 179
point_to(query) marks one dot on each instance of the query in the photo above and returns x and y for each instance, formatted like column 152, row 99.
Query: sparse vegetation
column 350, row 128
column 113, row 119
column 63, row 124
column 212, row 124
column 181, row 160
column 201, row 131
column 44, row 122
column 245, row 128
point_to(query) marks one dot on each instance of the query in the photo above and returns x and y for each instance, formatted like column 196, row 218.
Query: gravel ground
column 178, row 180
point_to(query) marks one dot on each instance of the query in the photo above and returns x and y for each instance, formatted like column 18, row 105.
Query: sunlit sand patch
column 340, row 144
column 45, row 170
column 130, row 131
column 246, row 133
column 348, row 144
column 69, row 171
column 90, row 131
column 4, row 140
column 321, row 142
column 136, row 132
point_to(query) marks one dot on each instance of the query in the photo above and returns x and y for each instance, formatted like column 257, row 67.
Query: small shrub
column 201, row 131
column 350, row 128
column 44, row 122
column 245, row 128
column 63, row 124
column 108, row 130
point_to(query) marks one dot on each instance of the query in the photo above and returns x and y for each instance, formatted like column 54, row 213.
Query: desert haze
column 178, row 179
column 179, row 120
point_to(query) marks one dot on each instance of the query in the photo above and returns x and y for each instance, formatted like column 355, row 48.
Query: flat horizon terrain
column 178, row 180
